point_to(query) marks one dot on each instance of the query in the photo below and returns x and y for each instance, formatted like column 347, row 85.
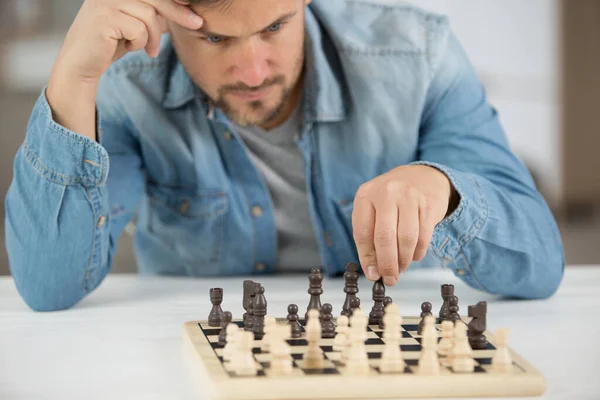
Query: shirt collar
column 323, row 88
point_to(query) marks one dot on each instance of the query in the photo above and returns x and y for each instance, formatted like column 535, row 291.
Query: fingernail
column 196, row 20
column 372, row 273
column 389, row 280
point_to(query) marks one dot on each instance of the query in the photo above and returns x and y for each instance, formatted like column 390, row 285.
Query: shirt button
column 101, row 221
column 257, row 211
column 228, row 135
column 460, row 271
column 260, row 267
column 184, row 207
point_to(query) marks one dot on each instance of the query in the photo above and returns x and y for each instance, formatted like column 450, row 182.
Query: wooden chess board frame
column 333, row 383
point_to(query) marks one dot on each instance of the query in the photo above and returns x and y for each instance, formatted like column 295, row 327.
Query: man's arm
column 64, row 210
column 502, row 236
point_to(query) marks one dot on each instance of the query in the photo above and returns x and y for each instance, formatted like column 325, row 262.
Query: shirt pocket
column 191, row 223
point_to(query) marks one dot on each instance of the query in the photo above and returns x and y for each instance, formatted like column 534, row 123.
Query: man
column 266, row 136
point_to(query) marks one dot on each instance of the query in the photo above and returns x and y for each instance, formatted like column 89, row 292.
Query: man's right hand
column 103, row 32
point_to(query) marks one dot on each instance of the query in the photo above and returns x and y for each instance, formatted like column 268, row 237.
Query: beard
column 255, row 112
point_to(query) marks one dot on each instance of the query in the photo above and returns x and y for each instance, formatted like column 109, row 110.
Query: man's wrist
column 453, row 201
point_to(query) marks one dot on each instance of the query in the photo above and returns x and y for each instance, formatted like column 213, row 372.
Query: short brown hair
column 211, row 3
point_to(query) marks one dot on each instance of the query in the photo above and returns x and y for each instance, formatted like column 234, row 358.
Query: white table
column 124, row 340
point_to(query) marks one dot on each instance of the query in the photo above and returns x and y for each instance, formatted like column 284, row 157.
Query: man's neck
column 288, row 107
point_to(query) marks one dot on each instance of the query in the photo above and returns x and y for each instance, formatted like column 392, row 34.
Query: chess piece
column 358, row 362
column 425, row 311
column 376, row 314
column 281, row 351
column 216, row 313
column 391, row 359
column 447, row 342
column 313, row 357
column 354, row 304
column 386, row 300
column 462, row 360
column 243, row 363
column 259, row 307
column 453, row 309
column 327, row 325
column 224, row 322
column 350, row 287
column 502, row 360
column 477, row 326
column 293, row 318
column 428, row 361
column 265, row 344
column 230, row 348
column 249, row 287
column 341, row 337
column 447, row 291
column 315, row 279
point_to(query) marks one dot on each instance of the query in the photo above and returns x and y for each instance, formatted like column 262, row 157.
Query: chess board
column 332, row 382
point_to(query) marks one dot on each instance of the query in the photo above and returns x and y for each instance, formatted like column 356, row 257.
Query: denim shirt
column 386, row 85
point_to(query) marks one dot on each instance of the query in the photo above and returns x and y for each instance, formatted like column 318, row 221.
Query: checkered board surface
column 332, row 382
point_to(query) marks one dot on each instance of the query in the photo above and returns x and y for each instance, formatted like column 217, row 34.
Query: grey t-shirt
column 277, row 155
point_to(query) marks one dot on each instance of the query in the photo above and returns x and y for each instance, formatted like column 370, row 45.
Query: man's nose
column 252, row 66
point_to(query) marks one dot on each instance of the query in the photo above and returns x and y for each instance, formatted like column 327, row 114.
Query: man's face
column 247, row 57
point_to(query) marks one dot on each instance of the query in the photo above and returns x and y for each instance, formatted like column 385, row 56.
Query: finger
column 363, row 226
column 132, row 30
column 164, row 27
column 408, row 231
column 386, row 244
column 147, row 14
column 426, row 227
column 177, row 13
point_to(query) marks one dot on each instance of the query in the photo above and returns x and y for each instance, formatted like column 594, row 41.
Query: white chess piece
column 358, row 362
column 265, row 343
column 231, row 345
column 502, row 360
column 391, row 359
column 313, row 357
column 462, row 353
column 428, row 361
column 341, row 337
column 281, row 351
column 243, row 362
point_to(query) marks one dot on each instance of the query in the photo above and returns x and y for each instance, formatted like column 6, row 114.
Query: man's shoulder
column 381, row 27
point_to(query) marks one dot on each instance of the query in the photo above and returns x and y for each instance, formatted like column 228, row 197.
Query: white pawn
column 231, row 345
column 502, row 360
column 428, row 361
column 358, row 362
column 391, row 359
column 341, row 337
column 313, row 357
column 265, row 343
column 463, row 354
column 281, row 351
column 243, row 363
column 447, row 343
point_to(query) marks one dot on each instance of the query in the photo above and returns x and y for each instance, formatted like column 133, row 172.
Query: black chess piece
column 453, row 309
column 216, row 313
column 376, row 314
column 249, row 288
column 447, row 291
column 425, row 311
column 387, row 300
column 249, row 325
column 477, row 326
column 354, row 304
column 350, row 287
column 260, row 310
column 293, row 318
column 315, row 289
column 224, row 322
column 327, row 325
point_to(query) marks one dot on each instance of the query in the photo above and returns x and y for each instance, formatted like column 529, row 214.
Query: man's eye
column 215, row 39
column 274, row 27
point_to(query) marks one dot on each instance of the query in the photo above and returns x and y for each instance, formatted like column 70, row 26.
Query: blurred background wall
column 537, row 58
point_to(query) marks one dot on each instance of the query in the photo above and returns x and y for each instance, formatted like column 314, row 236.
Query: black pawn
column 453, row 309
column 315, row 289
column 327, row 325
column 447, row 291
column 350, row 287
column 354, row 304
column 376, row 314
column 477, row 326
column 260, row 310
column 293, row 318
column 425, row 311
column 387, row 300
column 223, row 334
column 216, row 313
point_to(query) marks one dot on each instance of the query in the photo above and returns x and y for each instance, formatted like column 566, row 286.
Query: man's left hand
column 395, row 215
